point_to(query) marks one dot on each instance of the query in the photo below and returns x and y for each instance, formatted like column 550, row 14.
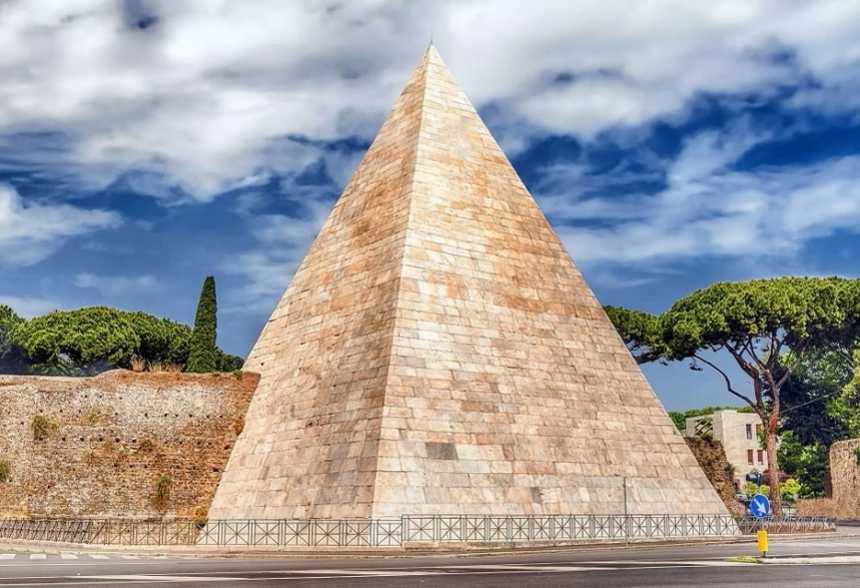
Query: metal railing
column 789, row 524
column 397, row 532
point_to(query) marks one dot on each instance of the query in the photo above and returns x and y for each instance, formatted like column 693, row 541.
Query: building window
column 760, row 456
column 750, row 456
column 749, row 431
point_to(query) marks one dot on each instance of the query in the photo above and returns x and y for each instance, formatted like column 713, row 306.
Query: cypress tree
column 204, row 354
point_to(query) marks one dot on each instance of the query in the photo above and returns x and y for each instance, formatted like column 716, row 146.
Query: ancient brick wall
column 845, row 479
column 110, row 439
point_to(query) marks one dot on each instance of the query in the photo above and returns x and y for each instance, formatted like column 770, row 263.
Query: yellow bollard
column 761, row 542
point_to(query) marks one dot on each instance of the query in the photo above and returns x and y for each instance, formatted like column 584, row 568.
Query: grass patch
column 5, row 472
column 163, row 488
column 744, row 559
column 42, row 427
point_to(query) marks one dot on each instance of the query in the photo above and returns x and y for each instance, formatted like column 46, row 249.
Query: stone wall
column 845, row 479
column 110, row 439
column 712, row 457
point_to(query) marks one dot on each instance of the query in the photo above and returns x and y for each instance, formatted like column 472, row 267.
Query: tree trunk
column 772, row 465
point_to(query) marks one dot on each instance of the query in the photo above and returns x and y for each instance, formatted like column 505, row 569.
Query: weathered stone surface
column 845, row 481
column 438, row 352
column 112, row 437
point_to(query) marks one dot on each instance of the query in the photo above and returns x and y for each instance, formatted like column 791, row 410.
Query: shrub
column 857, row 455
column 162, row 490
column 42, row 427
column 790, row 489
column 204, row 356
column 164, row 367
column 5, row 472
column 200, row 517
column 229, row 363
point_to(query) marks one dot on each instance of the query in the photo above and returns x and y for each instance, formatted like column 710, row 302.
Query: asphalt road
column 705, row 565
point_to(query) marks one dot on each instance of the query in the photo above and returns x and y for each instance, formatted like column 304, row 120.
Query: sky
column 145, row 144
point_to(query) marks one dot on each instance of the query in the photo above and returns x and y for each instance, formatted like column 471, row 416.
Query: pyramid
column 437, row 352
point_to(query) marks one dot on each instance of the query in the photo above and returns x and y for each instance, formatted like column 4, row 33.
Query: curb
column 454, row 550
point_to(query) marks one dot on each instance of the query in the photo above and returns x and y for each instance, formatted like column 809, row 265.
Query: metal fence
column 397, row 532
column 787, row 525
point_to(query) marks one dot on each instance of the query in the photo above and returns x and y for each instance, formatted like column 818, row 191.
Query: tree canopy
column 204, row 353
column 92, row 339
column 765, row 326
column 8, row 321
column 639, row 330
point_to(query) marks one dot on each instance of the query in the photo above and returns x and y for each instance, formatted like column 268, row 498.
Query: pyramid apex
column 432, row 54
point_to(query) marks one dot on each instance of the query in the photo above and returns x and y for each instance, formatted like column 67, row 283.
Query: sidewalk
column 453, row 549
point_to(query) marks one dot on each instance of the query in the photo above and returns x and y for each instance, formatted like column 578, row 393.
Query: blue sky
column 144, row 145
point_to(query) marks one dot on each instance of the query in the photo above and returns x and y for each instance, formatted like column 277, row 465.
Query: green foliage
column 750, row 489
column 791, row 312
column 79, row 337
column 5, row 472
column 679, row 420
column 8, row 321
column 639, row 330
column 810, row 397
column 857, row 455
column 789, row 489
column 766, row 326
column 88, row 340
column 161, row 340
column 42, row 427
column 230, row 363
column 806, row 463
column 12, row 359
column 204, row 355
column 845, row 407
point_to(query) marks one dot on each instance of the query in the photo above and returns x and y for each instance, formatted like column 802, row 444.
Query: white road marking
column 98, row 556
column 7, row 556
column 38, row 556
column 129, row 557
column 68, row 556
column 535, row 568
column 354, row 572
column 157, row 578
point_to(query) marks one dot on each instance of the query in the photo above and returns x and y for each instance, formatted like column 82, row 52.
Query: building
column 739, row 433
column 438, row 353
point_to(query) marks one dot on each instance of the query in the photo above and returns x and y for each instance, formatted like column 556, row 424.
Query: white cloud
column 203, row 97
column 31, row 231
column 115, row 285
column 282, row 243
column 708, row 208
column 29, row 307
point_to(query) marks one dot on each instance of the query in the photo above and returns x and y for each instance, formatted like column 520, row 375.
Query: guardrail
column 791, row 524
column 397, row 532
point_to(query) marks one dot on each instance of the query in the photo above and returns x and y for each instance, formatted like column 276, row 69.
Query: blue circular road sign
column 759, row 506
